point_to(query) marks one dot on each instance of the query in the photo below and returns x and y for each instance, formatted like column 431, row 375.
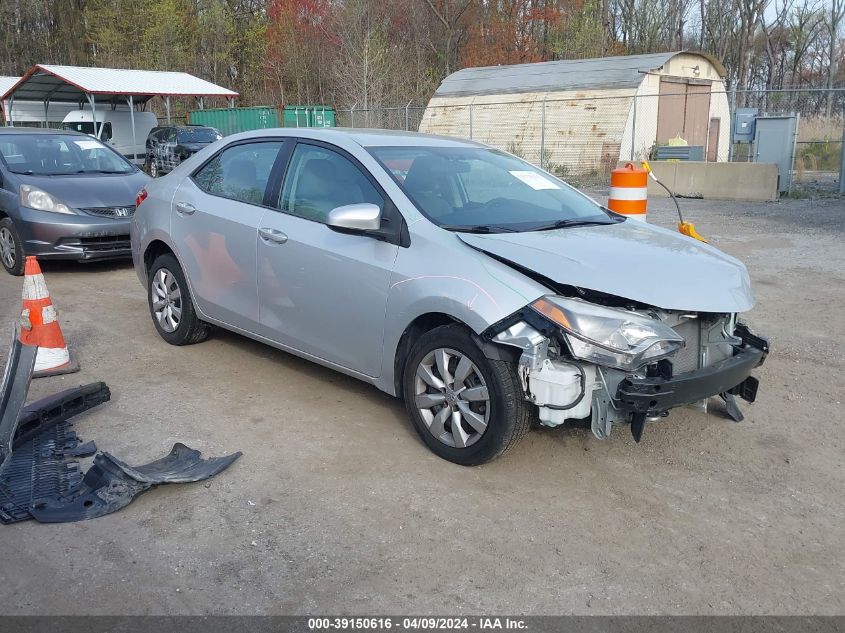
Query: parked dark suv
column 169, row 145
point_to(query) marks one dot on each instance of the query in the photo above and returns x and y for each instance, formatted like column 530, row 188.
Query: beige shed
column 580, row 117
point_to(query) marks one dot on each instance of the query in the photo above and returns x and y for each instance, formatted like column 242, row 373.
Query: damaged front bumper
column 567, row 389
column 641, row 399
column 650, row 397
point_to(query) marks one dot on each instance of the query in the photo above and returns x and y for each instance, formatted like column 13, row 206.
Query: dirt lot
column 336, row 506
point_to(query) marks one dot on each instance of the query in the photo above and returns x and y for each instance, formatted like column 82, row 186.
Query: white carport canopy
column 78, row 84
column 7, row 82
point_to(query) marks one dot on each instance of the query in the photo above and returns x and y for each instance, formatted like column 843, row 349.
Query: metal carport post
column 93, row 104
column 131, row 103
column 47, row 100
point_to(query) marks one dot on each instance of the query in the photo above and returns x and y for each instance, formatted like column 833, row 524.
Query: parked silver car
column 483, row 291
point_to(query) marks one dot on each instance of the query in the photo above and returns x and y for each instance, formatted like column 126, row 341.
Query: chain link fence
column 583, row 138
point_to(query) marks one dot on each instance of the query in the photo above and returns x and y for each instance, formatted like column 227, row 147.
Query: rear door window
column 240, row 172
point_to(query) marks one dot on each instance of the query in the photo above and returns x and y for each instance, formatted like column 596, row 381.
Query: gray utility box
column 743, row 131
column 774, row 142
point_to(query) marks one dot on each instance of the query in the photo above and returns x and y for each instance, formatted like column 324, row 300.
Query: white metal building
column 582, row 116
column 46, row 93
column 32, row 112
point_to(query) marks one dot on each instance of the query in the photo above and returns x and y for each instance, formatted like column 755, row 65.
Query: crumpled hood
column 632, row 260
column 92, row 190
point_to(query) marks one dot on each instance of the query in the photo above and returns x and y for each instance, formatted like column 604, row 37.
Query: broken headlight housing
column 610, row 337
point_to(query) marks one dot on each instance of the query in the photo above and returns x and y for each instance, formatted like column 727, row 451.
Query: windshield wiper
column 101, row 171
column 479, row 228
column 563, row 224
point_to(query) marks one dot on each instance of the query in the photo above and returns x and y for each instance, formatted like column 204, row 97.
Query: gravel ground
column 336, row 506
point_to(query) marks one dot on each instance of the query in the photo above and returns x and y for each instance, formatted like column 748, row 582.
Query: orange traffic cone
column 40, row 325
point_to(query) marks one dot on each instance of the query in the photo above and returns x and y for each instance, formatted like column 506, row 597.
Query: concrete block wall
column 755, row 182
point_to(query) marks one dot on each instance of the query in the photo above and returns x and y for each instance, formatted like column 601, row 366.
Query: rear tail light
column 142, row 195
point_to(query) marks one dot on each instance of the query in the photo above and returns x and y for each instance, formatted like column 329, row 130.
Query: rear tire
column 448, row 380
column 11, row 248
column 171, row 305
column 154, row 170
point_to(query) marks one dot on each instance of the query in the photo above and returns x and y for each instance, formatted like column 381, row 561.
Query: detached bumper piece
column 42, row 458
column 652, row 397
column 13, row 392
column 40, row 476
column 110, row 484
column 44, row 466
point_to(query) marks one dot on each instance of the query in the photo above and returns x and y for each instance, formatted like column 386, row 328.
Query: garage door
column 683, row 110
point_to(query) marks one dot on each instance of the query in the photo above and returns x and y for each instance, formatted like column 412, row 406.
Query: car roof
column 39, row 130
column 366, row 137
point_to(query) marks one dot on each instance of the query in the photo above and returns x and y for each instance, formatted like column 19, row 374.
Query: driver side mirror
column 355, row 217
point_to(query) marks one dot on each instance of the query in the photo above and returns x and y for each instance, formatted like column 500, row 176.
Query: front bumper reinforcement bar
column 653, row 396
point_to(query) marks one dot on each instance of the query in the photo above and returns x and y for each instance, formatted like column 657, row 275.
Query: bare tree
column 805, row 20
column 749, row 15
column 833, row 23
column 773, row 38
column 363, row 70
column 718, row 28
column 449, row 15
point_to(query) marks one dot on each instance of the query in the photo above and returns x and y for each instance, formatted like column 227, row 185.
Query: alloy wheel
column 8, row 252
column 166, row 300
column 452, row 397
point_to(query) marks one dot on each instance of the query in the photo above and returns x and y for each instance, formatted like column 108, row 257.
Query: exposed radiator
column 689, row 358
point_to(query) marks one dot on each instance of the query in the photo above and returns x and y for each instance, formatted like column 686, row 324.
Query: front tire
column 11, row 248
column 171, row 305
column 467, row 408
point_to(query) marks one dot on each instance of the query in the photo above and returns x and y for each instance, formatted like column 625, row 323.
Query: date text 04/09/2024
column 416, row 623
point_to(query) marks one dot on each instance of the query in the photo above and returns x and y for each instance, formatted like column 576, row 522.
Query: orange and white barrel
column 628, row 191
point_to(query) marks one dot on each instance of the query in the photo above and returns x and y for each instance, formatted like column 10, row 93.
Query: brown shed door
column 697, row 114
column 713, row 141
column 683, row 110
column 671, row 107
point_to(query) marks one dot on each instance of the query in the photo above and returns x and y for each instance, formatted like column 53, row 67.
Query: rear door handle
column 272, row 235
column 185, row 208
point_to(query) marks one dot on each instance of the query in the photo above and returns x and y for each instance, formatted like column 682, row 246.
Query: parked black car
column 63, row 195
column 169, row 145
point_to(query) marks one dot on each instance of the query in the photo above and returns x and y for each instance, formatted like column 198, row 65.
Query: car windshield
column 60, row 155
column 486, row 190
column 197, row 135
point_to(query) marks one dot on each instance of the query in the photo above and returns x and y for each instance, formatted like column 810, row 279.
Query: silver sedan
column 485, row 292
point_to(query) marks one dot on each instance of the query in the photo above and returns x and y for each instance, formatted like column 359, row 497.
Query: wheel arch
column 429, row 321
column 154, row 249
column 159, row 245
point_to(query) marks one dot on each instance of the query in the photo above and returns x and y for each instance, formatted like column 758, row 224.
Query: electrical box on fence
column 744, row 125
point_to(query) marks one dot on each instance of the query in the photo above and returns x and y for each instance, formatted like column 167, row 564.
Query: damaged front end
column 604, row 365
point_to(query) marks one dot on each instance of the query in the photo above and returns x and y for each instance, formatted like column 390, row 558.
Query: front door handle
column 185, row 208
column 272, row 235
